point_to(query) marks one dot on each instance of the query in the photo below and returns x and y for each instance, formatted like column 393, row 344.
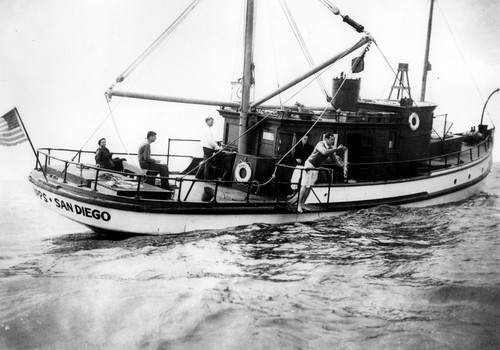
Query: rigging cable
column 260, row 121
column 345, row 18
column 302, row 44
column 86, row 142
column 272, row 35
column 235, row 58
column 463, row 56
column 392, row 69
column 158, row 41
column 295, row 145
column 118, row 133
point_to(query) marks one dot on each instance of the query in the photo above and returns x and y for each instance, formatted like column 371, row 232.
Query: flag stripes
column 11, row 131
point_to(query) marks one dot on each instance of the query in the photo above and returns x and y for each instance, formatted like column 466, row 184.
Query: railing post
column 36, row 162
column 249, row 189
column 181, row 180
column 329, row 188
column 96, row 179
column 138, row 190
column 65, row 171
column 215, row 192
column 299, row 185
column 168, row 152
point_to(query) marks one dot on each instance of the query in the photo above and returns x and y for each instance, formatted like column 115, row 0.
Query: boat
column 393, row 155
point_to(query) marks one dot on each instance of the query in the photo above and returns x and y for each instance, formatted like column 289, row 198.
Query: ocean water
column 384, row 278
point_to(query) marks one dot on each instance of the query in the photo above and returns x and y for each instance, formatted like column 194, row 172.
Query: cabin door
column 353, row 144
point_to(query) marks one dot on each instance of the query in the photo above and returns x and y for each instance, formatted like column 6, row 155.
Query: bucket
column 208, row 194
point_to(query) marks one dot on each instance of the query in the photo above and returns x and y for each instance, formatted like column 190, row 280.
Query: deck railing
column 140, row 178
column 425, row 167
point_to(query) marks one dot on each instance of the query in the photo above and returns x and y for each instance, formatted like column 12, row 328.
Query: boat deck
column 189, row 189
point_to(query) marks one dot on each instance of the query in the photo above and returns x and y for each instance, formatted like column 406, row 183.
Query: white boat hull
column 103, row 215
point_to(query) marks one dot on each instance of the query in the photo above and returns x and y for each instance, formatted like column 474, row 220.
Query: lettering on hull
column 78, row 209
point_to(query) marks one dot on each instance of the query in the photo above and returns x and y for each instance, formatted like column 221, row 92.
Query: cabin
column 385, row 138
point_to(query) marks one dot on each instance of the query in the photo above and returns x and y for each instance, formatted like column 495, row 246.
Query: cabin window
column 268, row 136
column 267, row 143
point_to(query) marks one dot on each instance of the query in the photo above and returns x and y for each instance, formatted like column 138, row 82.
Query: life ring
column 243, row 172
column 414, row 121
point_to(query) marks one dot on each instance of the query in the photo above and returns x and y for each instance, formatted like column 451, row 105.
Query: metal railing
column 426, row 166
column 179, row 182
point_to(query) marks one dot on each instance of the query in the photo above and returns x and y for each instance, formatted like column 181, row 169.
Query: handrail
column 170, row 140
column 453, row 159
column 138, row 177
column 446, row 158
column 485, row 142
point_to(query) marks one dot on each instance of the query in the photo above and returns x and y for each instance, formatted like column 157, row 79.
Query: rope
column 302, row 44
column 463, row 57
column 157, row 42
column 86, row 142
column 272, row 35
column 118, row 133
column 260, row 121
column 295, row 145
column 230, row 143
column 394, row 72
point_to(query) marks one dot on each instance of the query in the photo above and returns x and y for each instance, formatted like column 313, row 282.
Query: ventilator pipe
column 484, row 107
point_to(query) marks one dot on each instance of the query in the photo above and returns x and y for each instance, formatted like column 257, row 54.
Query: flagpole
column 31, row 144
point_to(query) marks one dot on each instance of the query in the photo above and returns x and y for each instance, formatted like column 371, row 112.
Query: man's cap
column 151, row 133
column 209, row 118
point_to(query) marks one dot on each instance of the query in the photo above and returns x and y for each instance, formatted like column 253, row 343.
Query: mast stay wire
column 463, row 56
column 272, row 35
column 119, row 135
column 394, row 72
column 264, row 118
column 302, row 44
column 133, row 66
column 295, row 145
column 236, row 43
column 166, row 33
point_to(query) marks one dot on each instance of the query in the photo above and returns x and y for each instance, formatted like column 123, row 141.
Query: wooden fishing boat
column 393, row 156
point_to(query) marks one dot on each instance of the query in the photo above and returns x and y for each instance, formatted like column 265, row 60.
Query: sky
column 58, row 57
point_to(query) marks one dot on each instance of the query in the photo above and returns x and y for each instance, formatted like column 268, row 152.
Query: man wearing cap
column 209, row 147
column 148, row 163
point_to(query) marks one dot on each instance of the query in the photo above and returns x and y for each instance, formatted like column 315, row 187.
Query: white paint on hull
column 439, row 181
column 161, row 223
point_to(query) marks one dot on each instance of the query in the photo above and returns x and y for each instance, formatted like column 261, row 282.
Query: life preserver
column 414, row 121
column 242, row 172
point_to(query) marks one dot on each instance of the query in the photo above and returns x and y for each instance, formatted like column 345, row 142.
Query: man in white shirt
column 209, row 147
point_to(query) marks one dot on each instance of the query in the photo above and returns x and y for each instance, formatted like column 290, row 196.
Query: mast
column 247, row 76
column 427, row 65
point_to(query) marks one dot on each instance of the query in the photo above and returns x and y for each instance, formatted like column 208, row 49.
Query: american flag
column 11, row 131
